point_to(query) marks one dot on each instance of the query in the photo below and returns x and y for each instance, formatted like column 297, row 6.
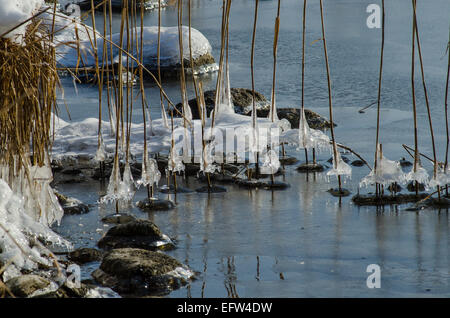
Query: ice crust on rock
column 26, row 232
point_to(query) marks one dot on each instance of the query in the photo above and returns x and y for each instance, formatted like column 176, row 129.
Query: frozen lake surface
column 303, row 242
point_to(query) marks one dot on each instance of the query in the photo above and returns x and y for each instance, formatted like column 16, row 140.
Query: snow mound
column 14, row 12
column 169, row 51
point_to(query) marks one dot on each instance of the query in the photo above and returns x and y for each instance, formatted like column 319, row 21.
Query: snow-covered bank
column 14, row 12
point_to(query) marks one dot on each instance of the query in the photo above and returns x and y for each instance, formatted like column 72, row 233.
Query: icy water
column 303, row 242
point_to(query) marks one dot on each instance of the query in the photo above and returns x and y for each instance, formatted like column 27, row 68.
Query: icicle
column 112, row 192
column 150, row 173
column 207, row 159
column 274, row 117
column 127, row 187
column 100, row 155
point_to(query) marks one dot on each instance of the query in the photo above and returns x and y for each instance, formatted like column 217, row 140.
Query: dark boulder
column 138, row 234
column 242, row 101
column 141, row 272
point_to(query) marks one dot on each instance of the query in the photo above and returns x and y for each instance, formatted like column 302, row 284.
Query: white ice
column 387, row 172
column 23, row 230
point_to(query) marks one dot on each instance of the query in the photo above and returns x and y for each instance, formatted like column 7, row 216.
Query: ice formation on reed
column 120, row 189
column 207, row 164
column 271, row 162
column 305, row 137
column 150, row 173
column 340, row 168
column 419, row 174
column 442, row 177
column 387, row 172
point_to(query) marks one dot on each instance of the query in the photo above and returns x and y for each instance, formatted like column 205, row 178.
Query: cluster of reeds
column 28, row 91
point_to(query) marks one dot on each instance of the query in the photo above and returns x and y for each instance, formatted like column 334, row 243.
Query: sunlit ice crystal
column 340, row 168
column 150, row 172
column 387, row 172
column 420, row 175
column 207, row 159
column 112, row 192
column 100, row 155
column 271, row 162
column 175, row 161
column 127, row 186
column 442, row 177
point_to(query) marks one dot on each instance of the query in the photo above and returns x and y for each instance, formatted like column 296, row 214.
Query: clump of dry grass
column 28, row 83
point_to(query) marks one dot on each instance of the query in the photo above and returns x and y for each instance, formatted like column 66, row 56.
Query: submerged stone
column 288, row 161
column 118, row 218
column 85, row 255
column 171, row 189
column 357, row 163
column 310, row 167
column 368, row 199
column 412, row 187
column 336, row 192
column 132, row 271
column 211, row 189
column 155, row 204
column 264, row 184
column 27, row 285
column 138, row 234
column 405, row 163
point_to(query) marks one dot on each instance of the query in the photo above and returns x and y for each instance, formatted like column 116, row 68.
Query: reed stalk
column 330, row 103
column 375, row 165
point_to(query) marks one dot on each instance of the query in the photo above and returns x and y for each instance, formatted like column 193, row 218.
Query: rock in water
column 139, row 234
column 169, row 51
column 71, row 205
column 155, row 204
column 85, row 255
column 118, row 218
column 141, row 272
column 27, row 285
column 242, row 101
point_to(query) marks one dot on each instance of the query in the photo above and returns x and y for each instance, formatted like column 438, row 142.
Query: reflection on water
column 303, row 242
